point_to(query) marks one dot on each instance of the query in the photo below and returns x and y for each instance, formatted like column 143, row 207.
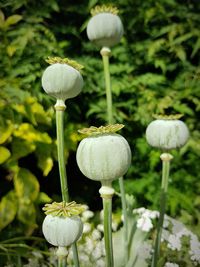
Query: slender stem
column 166, row 158
column 105, row 52
column 60, row 107
column 61, row 156
column 125, row 222
column 75, row 255
column 107, row 207
column 62, row 262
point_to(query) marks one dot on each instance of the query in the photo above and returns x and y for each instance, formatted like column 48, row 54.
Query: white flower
column 100, row 227
column 96, row 234
column 86, row 228
column 87, row 214
column 151, row 214
column 144, row 223
column 194, row 249
column 174, row 242
column 170, row 264
column 139, row 210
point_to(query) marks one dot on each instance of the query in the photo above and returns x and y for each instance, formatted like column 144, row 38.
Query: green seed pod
column 62, row 81
column 104, row 157
column 62, row 231
column 167, row 132
column 62, row 226
column 105, row 27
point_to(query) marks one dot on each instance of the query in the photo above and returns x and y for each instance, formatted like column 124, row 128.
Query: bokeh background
column 154, row 69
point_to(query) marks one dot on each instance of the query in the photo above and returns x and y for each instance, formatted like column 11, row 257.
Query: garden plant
column 140, row 205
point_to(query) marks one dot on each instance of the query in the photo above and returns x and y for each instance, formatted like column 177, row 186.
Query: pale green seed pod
column 167, row 133
column 62, row 231
column 104, row 157
column 62, row 81
column 105, row 29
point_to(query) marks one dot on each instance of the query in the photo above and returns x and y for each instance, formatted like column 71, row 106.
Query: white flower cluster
column 194, row 249
column 173, row 233
column 144, row 221
column 170, row 264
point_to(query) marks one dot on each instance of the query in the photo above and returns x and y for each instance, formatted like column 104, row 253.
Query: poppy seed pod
column 167, row 132
column 104, row 157
column 105, row 27
column 62, row 226
column 62, row 231
column 61, row 80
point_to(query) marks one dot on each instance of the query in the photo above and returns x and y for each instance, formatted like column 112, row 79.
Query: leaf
column 5, row 132
column 11, row 49
column 8, row 209
column 43, row 198
column 180, row 53
column 46, row 164
column 14, row 19
column 26, row 185
column 26, row 212
column 136, row 239
column 4, row 154
column 45, row 161
column 27, row 132
column 21, row 148
column 2, row 19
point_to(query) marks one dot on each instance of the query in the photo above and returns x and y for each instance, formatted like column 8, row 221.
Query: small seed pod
column 167, row 132
column 61, row 231
column 103, row 156
column 105, row 27
column 60, row 227
column 62, row 79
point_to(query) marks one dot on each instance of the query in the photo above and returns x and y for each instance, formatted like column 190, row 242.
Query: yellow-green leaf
column 5, row 132
column 26, row 184
column 26, row 212
column 46, row 165
column 2, row 19
column 11, row 49
column 8, row 209
column 4, row 154
column 43, row 198
column 27, row 132
column 14, row 19
column 21, row 148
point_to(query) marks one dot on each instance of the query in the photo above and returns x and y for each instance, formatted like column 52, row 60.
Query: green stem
column 62, row 262
column 106, row 52
column 125, row 222
column 61, row 155
column 107, row 208
column 75, row 254
column 166, row 158
column 61, row 163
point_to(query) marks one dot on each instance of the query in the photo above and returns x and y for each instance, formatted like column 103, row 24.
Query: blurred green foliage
column 154, row 69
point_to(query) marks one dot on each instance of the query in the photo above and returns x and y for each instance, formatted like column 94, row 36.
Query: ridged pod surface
column 105, row 29
column 104, row 157
column 62, row 231
column 62, row 81
column 167, row 134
